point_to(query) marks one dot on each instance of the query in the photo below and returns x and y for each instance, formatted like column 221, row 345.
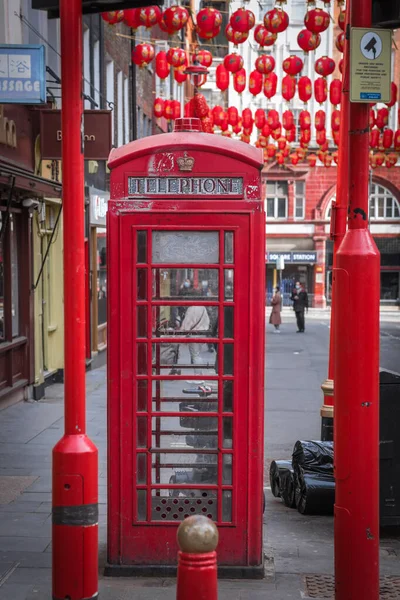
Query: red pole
column 75, row 480
column 356, row 372
column 338, row 230
column 197, row 560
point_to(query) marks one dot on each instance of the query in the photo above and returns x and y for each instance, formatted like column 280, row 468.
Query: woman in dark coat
column 275, row 317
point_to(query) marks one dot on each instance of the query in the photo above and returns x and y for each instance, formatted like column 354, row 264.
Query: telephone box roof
column 213, row 144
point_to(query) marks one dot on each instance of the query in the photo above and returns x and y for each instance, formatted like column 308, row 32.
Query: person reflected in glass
column 195, row 323
column 275, row 318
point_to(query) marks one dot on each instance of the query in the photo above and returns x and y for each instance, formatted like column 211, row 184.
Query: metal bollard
column 197, row 560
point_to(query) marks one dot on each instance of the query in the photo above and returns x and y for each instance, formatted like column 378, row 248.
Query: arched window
column 382, row 204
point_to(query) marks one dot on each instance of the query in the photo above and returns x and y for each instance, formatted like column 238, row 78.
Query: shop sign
column 98, row 207
column 16, row 135
column 370, row 64
column 97, row 134
column 199, row 186
column 22, row 74
column 292, row 257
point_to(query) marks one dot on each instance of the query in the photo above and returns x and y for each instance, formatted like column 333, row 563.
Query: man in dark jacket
column 299, row 298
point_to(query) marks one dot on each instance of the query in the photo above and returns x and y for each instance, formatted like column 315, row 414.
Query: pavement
column 298, row 549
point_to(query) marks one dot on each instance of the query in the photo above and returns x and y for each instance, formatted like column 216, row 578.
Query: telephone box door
column 184, row 364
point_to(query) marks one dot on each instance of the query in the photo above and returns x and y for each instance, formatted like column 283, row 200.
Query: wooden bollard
column 197, row 560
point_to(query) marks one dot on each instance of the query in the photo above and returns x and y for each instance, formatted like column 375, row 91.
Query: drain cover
column 323, row 586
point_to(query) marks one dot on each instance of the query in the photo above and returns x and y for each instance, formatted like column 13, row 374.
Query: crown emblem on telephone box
column 185, row 162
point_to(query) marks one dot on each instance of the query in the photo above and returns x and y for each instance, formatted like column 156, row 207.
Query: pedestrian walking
column 196, row 323
column 275, row 316
column 299, row 298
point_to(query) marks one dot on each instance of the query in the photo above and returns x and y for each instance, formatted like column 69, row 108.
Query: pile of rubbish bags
column 306, row 482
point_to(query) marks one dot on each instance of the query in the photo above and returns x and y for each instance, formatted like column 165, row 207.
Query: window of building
column 277, row 199
column 96, row 83
column 265, row 6
column 382, row 204
column 10, row 293
column 299, row 200
column 126, row 110
column 297, row 11
column 120, row 101
column 101, row 277
column 110, row 93
column 86, row 67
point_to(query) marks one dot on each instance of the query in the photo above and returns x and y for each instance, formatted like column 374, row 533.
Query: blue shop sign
column 22, row 74
column 293, row 257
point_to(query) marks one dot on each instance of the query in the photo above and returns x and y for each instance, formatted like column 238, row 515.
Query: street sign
column 280, row 263
column 93, row 6
column 304, row 257
column 370, row 65
column 22, row 74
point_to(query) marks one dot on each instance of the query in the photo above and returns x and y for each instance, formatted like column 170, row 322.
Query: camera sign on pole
column 370, row 64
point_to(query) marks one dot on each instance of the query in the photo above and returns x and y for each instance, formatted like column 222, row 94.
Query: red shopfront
column 185, row 239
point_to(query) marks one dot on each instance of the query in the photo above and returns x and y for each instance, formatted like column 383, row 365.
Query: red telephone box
column 186, row 231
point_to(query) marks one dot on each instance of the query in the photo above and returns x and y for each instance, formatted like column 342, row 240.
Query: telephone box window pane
column 141, row 359
column 1, row 283
column 179, row 396
column 186, row 321
column 227, row 441
column 228, row 284
column 281, row 208
column 228, row 359
column 228, row 322
column 183, row 358
column 141, row 476
column 228, row 396
column 188, row 247
column 177, row 284
column 177, row 505
column 185, row 432
column 183, row 469
column 142, row 284
column 270, row 207
column 141, row 312
column 227, row 505
column 142, row 246
column 141, row 505
column 227, row 461
column 229, row 246
column 142, row 395
column 141, row 441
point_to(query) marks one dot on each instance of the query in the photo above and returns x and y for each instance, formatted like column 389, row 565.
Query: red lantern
column 233, row 62
column 335, row 120
column 248, row 130
column 245, row 138
column 292, row 65
column 180, row 75
column 113, row 16
column 387, row 138
column 149, row 16
column 288, row 120
column 238, row 128
column 168, row 110
column 142, row 54
column 320, row 90
column 276, row 20
column 163, row 26
column 335, row 92
column 218, row 114
column 233, row 116
column 132, row 17
column 305, row 88
column 280, row 158
column 393, row 95
column 235, row 37
column 321, row 155
column 266, row 130
column 319, row 120
column 300, row 152
column 208, row 19
column 264, row 37
column 255, row 83
column 317, row 20
column 379, row 159
column 335, row 156
column 175, row 18
column 224, row 122
column 176, row 57
column 265, row 64
column 392, row 158
column 374, row 135
column 342, row 19
column 341, row 65
column 262, row 141
column 208, row 35
column 305, row 136
column 324, row 66
column 247, row 118
column 282, row 143
column 371, row 118
column 308, row 41
column 176, row 109
column 276, row 133
column 271, row 150
column 291, row 135
column 382, row 118
column 158, row 108
column 312, row 160
column 270, row 83
column 201, row 106
column 222, row 78
column 242, row 20
column 273, row 119
column 294, row 158
column 340, row 41
column 304, row 120
column 259, row 118
column 162, row 66
column 372, row 161
column 328, row 160
column 207, row 125
column 288, row 87
column 396, row 140
column 321, row 137
column 204, row 57
column 336, row 137
column 239, row 81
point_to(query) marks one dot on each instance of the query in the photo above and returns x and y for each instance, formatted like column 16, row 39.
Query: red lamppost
column 356, row 371
column 75, row 469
